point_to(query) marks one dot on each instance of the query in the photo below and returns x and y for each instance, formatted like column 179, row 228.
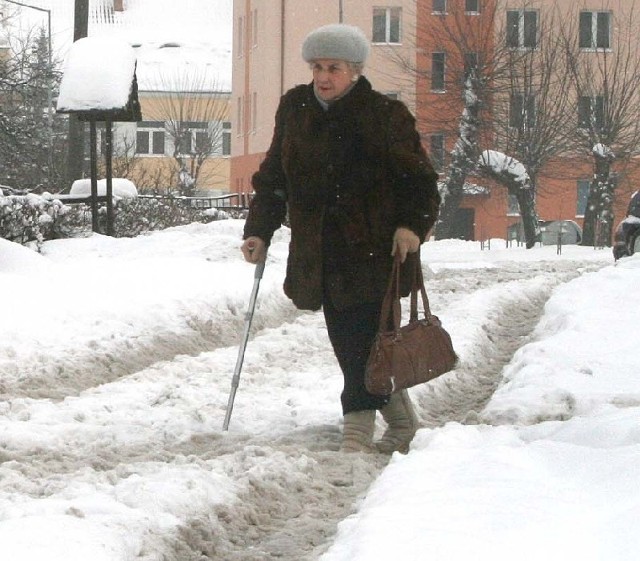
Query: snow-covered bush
column 34, row 218
column 26, row 218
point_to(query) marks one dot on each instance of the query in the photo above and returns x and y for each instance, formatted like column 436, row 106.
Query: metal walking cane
column 235, row 381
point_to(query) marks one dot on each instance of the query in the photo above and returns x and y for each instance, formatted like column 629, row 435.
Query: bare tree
column 193, row 110
column 508, row 68
column 465, row 49
column 532, row 113
column 605, row 74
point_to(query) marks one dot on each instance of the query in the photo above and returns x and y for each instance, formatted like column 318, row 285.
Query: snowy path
column 142, row 455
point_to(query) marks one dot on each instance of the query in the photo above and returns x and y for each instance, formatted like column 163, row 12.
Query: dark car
column 626, row 238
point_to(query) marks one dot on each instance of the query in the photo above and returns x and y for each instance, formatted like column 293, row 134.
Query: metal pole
column 235, row 381
column 109, row 170
column 93, row 137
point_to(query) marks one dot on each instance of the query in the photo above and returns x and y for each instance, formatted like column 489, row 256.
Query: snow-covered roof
column 168, row 35
column 98, row 75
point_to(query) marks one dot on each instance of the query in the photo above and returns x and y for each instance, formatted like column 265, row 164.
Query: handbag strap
column 391, row 311
column 417, row 284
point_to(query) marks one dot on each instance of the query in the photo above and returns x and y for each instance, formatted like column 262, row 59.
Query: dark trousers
column 352, row 332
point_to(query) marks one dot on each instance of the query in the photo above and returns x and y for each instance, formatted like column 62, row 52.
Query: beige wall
column 269, row 62
column 163, row 106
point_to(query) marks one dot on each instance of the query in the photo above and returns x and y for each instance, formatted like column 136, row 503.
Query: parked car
column 626, row 238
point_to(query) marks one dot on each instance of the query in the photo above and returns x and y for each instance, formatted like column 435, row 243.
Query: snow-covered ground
column 116, row 357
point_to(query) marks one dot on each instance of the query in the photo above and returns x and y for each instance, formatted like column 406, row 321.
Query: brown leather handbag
column 402, row 357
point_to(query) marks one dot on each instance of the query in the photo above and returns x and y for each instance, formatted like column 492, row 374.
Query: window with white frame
column 595, row 30
column 438, row 72
column 194, row 137
column 439, row 6
column 437, row 151
column 522, row 111
column 472, row 6
column 150, row 138
column 386, row 25
column 583, row 186
column 522, row 29
column 591, row 112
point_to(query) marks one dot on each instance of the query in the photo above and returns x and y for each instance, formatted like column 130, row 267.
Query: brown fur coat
column 348, row 177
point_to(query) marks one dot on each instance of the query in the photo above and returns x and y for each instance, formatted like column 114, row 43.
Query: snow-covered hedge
column 32, row 218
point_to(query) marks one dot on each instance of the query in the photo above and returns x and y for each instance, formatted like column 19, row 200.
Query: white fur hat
column 337, row 41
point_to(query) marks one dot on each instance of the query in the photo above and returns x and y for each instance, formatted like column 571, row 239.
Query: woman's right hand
column 254, row 249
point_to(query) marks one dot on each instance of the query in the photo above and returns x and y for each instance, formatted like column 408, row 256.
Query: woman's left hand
column 404, row 241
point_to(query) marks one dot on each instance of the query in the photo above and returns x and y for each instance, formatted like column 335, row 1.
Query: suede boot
column 357, row 435
column 402, row 424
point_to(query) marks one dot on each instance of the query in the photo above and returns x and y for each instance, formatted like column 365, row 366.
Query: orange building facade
column 421, row 50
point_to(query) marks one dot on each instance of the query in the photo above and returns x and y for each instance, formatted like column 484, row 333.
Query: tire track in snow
column 297, row 522
column 47, row 375
column 460, row 395
column 288, row 509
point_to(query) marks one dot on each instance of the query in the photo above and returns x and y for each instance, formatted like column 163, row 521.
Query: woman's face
column 332, row 78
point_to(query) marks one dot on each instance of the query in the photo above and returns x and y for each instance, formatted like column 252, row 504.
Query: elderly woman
column 347, row 164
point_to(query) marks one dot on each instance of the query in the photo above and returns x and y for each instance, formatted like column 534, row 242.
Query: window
column 254, row 21
column 522, row 111
column 204, row 142
column 254, row 111
column 470, row 64
column 150, row 138
column 513, row 207
column 226, row 138
column 437, row 71
column 472, row 6
column 591, row 113
column 393, row 95
column 595, row 30
column 437, row 151
column 439, row 6
column 386, row 25
column 522, row 29
column 240, row 37
column 193, row 137
column 240, row 115
column 584, row 186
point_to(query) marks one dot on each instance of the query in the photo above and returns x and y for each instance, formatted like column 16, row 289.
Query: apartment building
column 421, row 52
column 268, row 37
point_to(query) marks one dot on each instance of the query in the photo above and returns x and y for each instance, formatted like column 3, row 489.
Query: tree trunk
column 451, row 198
column 597, row 225
column 463, row 160
column 528, row 214
column 522, row 186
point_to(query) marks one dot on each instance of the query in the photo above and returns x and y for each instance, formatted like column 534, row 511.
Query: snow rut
column 293, row 489
column 293, row 516
column 60, row 373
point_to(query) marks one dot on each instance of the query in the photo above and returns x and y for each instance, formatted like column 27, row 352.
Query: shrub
column 33, row 218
